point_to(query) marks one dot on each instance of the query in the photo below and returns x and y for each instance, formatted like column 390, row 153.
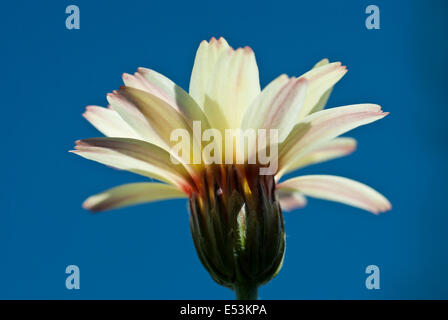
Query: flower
column 236, row 211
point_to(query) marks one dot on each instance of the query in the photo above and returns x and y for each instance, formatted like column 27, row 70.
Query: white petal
column 158, row 114
column 166, row 90
column 291, row 200
column 134, row 118
column 277, row 106
column 320, row 80
column 131, row 194
column 136, row 156
column 109, row 122
column 328, row 150
column 204, row 64
column 233, row 87
column 323, row 126
column 160, row 117
column 320, row 105
column 338, row 189
column 321, row 63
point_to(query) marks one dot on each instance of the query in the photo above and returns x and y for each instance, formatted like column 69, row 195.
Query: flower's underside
column 225, row 94
column 237, row 226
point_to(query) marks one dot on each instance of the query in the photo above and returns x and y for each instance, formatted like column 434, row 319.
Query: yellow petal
column 131, row 194
column 338, row 189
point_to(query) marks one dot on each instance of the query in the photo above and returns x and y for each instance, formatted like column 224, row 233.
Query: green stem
column 246, row 291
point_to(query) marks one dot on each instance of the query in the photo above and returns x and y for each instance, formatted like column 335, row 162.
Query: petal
column 323, row 126
column 109, row 122
column 320, row 80
column 160, row 117
column 136, row 156
column 277, row 106
column 232, row 88
column 328, row 150
column 204, row 64
column 291, row 200
column 166, row 90
column 321, row 63
column 131, row 194
column 134, row 118
column 158, row 114
column 339, row 189
column 320, row 105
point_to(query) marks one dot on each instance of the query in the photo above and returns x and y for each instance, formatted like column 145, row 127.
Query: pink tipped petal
column 131, row 194
column 134, row 117
column 321, row 79
column 291, row 200
column 338, row 189
column 320, row 105
column 109, row 122
column 155, row 119
column 338, row 147
column 163, row 119
column 166, row 90
column 277, row 106
column 323, row 126
column 136, row 156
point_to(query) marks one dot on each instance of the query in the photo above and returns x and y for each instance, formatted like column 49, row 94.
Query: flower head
column 155, row 129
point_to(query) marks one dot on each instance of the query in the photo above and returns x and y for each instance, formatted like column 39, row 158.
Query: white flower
column 225, row 93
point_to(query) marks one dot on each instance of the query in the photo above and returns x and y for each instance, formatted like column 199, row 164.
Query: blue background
column 50, row 73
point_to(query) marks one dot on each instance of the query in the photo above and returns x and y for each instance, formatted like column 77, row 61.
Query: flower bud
column 237, row 227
